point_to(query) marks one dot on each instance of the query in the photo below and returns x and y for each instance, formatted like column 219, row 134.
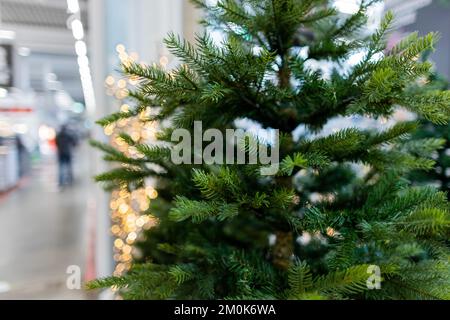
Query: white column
column 154, row 19
column 99, row 219
column 191, row 18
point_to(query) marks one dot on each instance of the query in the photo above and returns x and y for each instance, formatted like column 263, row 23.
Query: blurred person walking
column 65, row 142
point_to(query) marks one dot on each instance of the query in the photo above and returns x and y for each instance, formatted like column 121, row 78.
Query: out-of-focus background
column 58, row 62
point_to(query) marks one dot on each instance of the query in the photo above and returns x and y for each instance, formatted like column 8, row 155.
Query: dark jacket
column 65, row 142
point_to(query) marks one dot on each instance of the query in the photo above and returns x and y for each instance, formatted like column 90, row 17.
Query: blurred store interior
column 55, row 56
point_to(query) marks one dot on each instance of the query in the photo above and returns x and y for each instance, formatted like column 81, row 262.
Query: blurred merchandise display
column 6, row 65
column 9, row 154
column 14, row 106
column 9, row 163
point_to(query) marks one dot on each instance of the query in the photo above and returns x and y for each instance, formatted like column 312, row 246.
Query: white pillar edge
column 97, row 51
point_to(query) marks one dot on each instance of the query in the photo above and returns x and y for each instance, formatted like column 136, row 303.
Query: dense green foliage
column 439, row 176
column 313, row 230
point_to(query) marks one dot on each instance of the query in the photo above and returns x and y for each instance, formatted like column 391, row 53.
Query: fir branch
column 300, row 279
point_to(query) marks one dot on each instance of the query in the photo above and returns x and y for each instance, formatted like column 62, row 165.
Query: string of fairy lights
column 129, row 209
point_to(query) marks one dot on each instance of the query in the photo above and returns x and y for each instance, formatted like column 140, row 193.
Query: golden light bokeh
column 129, row 208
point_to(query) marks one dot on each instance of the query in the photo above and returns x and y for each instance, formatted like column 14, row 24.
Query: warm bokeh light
column 129, row 208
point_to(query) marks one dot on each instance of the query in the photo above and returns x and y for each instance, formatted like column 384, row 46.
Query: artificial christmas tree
column 338, row 220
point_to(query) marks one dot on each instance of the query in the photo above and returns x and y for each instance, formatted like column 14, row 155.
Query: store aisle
column 43, row 230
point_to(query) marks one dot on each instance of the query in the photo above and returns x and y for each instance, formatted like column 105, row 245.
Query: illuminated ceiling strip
column 73, row 8
column 7, row 35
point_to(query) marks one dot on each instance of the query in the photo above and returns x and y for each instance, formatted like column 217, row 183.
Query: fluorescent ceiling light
column 8, row 35
column 80, row 48
column 73, row 6
column 77, row 29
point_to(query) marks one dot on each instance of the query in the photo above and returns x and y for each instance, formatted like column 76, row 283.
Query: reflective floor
column 43, row 231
